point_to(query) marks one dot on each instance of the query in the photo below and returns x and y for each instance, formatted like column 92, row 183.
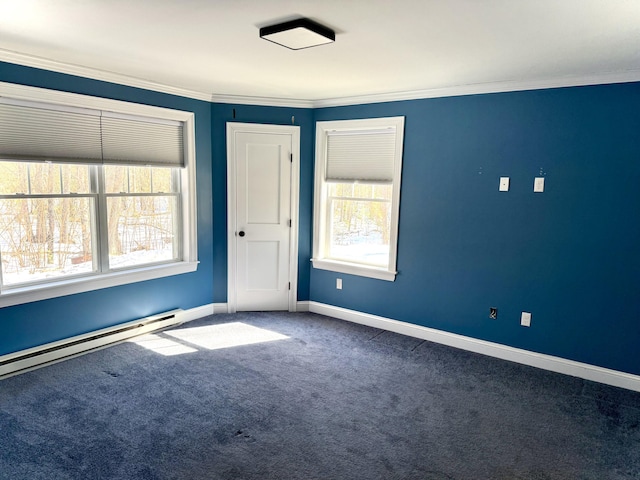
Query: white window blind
column 365, row 155
column 30, row 133
column 43, row 132
column 142, row 142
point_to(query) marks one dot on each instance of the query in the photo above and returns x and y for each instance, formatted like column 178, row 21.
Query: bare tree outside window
column 141, row 212
column 49, row 217
column 360, row 222
column 45, row 221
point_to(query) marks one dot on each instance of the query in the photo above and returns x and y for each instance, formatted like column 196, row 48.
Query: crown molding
column 453, row 91
column 262, row 101
column 104, row 75
column 96, row 74
column 484, row 88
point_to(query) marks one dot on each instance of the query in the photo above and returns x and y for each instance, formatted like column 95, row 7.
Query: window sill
column 34, row 293
column 354, row 269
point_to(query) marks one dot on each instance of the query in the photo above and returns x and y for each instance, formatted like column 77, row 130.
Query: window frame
column 186, row 204
column 321, row 213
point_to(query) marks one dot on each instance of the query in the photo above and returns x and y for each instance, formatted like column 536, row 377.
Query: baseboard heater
column 36, row 357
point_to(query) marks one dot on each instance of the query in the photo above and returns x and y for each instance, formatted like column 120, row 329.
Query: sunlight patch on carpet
column 226, row 335
column 163, row 346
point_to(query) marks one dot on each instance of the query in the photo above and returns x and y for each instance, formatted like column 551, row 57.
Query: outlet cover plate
column 525, row 319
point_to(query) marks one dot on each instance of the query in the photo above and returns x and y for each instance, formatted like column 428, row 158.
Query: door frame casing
column 233, row 129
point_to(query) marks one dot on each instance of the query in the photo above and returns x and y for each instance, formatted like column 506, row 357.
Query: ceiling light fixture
column 298, row 34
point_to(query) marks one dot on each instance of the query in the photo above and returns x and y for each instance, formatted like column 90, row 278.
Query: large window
column 357, row 182
column 93, row 193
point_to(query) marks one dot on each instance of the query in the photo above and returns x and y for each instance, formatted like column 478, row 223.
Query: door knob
column 241, row 233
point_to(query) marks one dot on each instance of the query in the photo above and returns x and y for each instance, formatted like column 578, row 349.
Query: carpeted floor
column 333, row 400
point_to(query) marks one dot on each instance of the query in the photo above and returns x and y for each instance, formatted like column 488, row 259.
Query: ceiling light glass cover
column 298, row 34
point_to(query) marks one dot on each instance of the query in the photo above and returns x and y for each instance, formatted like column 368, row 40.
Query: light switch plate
column 538, row 184
column 339, row 283
column 504, row 184
column 525, row 319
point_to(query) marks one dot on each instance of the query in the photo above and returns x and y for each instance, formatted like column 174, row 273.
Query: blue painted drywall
column 570, row 255
column 223, row 113
column 28, row 325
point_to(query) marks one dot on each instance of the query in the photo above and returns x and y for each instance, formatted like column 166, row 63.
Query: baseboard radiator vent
column 36, row 357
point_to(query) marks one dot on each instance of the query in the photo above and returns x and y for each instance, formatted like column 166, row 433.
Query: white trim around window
column 366, row 155
column 188, row 258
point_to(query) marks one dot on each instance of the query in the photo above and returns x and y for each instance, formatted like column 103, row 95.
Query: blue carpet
column 333, row 400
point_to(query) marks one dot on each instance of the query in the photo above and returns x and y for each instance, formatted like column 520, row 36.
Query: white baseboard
column 302, row 306
column 206, row 310
column 224, row 307
column 197, row 312
column 220, row 308
column 525, row 357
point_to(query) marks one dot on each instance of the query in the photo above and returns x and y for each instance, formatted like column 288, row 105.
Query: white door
column 260, row 217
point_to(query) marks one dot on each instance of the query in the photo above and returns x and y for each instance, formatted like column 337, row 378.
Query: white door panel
column 263, row 184
column 262, row 220
column 262, row 265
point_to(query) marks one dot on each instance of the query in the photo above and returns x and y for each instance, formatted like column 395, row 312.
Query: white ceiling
column 211, row 48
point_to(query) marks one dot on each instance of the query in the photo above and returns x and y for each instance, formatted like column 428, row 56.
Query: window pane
column 139, row 179
column 123, row 179
column 141, row 230
column 363, row 190
column 380, row 191
column 116, row 179
column 161, row 178
column 360, row 231
column 45, row 238
column 13, row 178
column 43, row 178
column 75, row 178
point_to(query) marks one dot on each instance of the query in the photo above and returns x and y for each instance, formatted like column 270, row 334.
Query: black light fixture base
column 298, row 34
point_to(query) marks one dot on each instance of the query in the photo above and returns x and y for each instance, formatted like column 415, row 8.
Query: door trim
column 232, row 130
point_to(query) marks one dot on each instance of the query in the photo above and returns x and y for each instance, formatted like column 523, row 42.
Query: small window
column 357, row 182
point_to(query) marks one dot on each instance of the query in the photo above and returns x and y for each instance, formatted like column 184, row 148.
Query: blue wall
column 570, row 255
column 28, row 325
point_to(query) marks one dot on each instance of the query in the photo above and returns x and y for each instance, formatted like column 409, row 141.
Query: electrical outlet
column 504, row 184
column 339, row 283
column 493, row 313
column 525, row 319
